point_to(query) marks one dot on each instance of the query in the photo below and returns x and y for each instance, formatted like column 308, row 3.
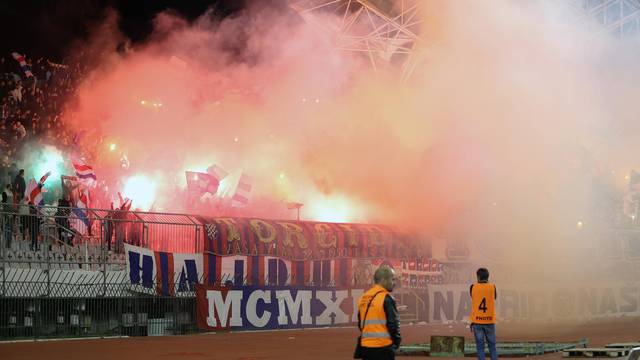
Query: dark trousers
column 383, row 353
column 485, row 332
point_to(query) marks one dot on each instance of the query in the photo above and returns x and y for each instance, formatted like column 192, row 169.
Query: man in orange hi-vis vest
column 378, row 319
column 483, row 313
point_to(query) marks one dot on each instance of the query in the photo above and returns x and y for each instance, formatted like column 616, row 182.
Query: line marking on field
column 63, row 339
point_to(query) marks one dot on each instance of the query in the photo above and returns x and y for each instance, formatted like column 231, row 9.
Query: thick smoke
column 515, row 126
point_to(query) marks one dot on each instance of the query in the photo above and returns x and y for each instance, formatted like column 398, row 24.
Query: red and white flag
column 243, row 190
column 217, row 172
column 23, row 64
column 34, row 190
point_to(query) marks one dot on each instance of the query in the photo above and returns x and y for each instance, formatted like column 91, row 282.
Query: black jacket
column 393, row 319
column 20, row 187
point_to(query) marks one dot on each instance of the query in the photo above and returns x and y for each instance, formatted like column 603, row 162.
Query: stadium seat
column 10, row 256
column 15, row 246
column 20, row 257
column 29, row 255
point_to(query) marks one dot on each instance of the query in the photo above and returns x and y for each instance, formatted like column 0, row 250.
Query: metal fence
column 62, row 278
column 59, row 317
column 109, row 229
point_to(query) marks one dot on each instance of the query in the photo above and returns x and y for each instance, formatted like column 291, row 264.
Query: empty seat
column 29, row 255
column 15, row 246
column 10, row 256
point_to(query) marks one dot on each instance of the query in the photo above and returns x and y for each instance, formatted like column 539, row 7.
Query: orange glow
column 337, row 209
column 142, row 190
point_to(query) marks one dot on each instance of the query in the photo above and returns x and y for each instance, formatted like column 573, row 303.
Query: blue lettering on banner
column 188, row 276
column 146, row 268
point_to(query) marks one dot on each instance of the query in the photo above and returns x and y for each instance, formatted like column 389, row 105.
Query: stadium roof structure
column 386, row 31
column 621, row 18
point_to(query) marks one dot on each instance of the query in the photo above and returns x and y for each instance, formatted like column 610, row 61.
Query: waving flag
column 34, row 190
column 217, row 172
column 201, row 183
column 81, row 221
column 23, row 64
column 84, row 172
column 243, row 190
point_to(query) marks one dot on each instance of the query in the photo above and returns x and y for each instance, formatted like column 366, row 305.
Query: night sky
column 45, row 27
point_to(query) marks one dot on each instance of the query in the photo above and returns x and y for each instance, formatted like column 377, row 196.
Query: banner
column 162, row 272
column 303, row 240
column 171, row 274
column 450, row 303
column 274, row 307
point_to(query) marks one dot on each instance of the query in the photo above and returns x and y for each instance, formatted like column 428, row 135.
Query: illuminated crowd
column 32, row 108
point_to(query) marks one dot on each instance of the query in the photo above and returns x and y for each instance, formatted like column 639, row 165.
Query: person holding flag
column 34, row 190
column 30, row 209
column 34, row 225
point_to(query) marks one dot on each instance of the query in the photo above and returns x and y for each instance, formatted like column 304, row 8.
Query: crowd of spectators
column 31, row 111
column 32, row 106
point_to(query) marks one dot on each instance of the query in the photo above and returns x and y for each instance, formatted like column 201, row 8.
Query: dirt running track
column 313, row 344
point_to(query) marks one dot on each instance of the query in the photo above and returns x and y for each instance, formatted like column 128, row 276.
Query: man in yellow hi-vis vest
column 483, row 314
column 378, row 318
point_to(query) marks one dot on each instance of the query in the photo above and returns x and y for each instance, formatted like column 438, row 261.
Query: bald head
column 385, row 277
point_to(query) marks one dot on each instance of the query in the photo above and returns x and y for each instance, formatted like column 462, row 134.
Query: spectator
column 62, row 220
column 23, row 211
column 108, row 227
column 7, row 220
column 10, row 198
column 13, row 172
column 34, row 225
column 121, row 225
column 19, row 184
column 135, row 230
